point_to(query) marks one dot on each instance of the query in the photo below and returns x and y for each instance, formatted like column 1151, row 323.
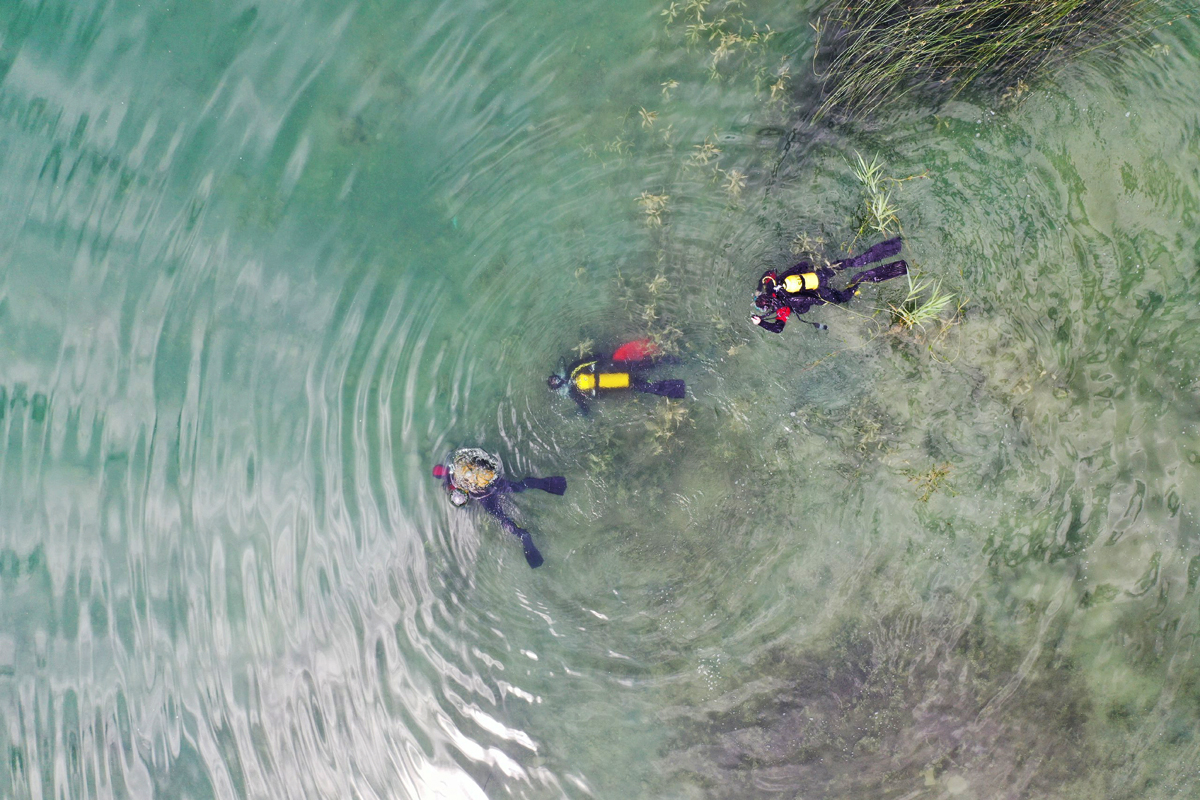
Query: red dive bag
column 637, row 350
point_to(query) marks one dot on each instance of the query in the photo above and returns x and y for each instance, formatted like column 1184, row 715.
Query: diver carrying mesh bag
column 474, row 471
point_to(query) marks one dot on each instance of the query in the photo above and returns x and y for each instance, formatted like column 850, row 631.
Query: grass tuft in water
column 653, row 206
column 931, row 480
column 875, row 51
column 924, row 304
column 880, row 215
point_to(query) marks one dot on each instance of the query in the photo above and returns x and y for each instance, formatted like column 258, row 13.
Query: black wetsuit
column 595, row 367
column 802, row 301
column 773, row 295
column 493, row 504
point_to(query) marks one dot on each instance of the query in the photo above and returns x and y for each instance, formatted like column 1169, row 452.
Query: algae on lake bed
column 874, row 52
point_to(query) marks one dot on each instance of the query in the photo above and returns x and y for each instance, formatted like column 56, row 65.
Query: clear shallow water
column 262, row 265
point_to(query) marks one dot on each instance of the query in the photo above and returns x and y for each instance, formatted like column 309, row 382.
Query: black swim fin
column 673, row 388
column 532, row 556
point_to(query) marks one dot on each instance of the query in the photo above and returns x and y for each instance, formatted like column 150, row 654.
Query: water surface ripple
column 261, row 265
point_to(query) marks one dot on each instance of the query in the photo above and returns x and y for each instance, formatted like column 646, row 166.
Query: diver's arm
column 555, row 484
column 772, row 325
column 577, row 396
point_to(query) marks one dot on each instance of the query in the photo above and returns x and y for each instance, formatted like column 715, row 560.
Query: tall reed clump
column 874, row 51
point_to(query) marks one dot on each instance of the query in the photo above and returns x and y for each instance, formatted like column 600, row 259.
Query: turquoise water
column 263, row 264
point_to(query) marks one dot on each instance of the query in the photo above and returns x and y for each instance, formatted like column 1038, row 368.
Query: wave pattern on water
column 264, row 264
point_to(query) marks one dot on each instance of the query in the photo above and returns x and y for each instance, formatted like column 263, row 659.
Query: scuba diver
column 474, row 474
column 593, row 376
column 804, row 286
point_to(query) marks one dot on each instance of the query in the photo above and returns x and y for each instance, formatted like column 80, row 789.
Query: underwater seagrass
column 871, row 52
column 893, row 709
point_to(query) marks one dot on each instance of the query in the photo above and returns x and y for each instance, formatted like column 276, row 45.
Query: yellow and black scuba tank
column 586, row 380
column 803, row 282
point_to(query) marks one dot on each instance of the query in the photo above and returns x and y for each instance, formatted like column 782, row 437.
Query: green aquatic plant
column 924, row 303
column 643, row 304
column 667, row 338
column 653, row 206
column 805, row 244
column 619, row 145
column 666, row 420
column 868, row 173
column 732, row 39
column 880, row 214
column 930, row 480
column 704, row 153
column 774, row 81
column 874, row 51
column 735, row 182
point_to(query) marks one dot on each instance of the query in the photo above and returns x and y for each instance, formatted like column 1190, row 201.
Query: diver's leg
column 879, row 274
column 671, row 387
column 532, row 556
column 555, row 484
column 876, row 253
column 492, row 504
column 837, row 296
column 831, row 295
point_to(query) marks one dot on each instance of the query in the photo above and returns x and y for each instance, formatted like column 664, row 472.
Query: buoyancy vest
column 805, row 281
column 587, row 380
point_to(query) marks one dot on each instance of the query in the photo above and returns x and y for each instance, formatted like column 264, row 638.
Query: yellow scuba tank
column 584, row 377
column 587, row 380
column 805, row 281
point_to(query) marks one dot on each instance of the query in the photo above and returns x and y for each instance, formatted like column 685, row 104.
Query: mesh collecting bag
column 474, row 470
